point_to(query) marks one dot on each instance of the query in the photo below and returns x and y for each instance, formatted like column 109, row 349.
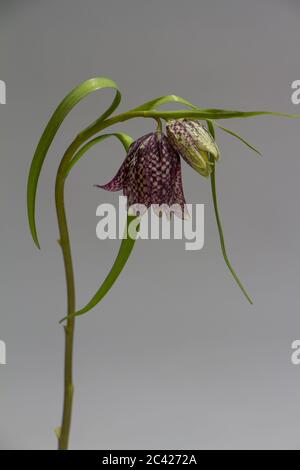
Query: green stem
column 64, row 241
column 159, row 125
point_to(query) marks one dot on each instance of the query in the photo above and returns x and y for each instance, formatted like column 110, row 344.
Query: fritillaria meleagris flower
column 193, row 141
column 151, row 176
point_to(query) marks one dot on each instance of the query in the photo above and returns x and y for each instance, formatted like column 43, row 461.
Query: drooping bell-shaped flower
column 193, row 141
column 151, row 176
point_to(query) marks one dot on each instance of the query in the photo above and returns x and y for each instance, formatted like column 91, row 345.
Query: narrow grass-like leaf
column 234, row 134
column 125, row 250
column 125, row 139
column 206, row 114
column 219, row 224
column 164, row 100
column 244, row 114
column 68, row 103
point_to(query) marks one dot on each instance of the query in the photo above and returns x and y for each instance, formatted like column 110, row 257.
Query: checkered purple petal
column 150, row 174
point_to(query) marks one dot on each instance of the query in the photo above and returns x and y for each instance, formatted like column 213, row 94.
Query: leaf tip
column 35, row 239
column 57, row 432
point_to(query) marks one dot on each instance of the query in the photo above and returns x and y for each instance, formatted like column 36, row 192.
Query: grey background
column 174, row 357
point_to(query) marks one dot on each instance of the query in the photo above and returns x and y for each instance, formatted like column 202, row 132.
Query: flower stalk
column 64, row 242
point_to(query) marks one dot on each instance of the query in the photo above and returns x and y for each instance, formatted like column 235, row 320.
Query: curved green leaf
column 234, row 134
column 202, row 113
column 125, row 139
column 68, row 103
column 163, row 100
column 235, row 113
column 219, row 224
column 125, row 250
column 206, row 114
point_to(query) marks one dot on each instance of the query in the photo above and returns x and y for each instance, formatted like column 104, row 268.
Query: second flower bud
column 194, row 143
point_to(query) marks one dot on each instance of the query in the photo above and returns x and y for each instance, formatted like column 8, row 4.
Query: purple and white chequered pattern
column 151, row 174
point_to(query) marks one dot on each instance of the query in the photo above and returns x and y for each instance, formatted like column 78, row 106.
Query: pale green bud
column 194, row 143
